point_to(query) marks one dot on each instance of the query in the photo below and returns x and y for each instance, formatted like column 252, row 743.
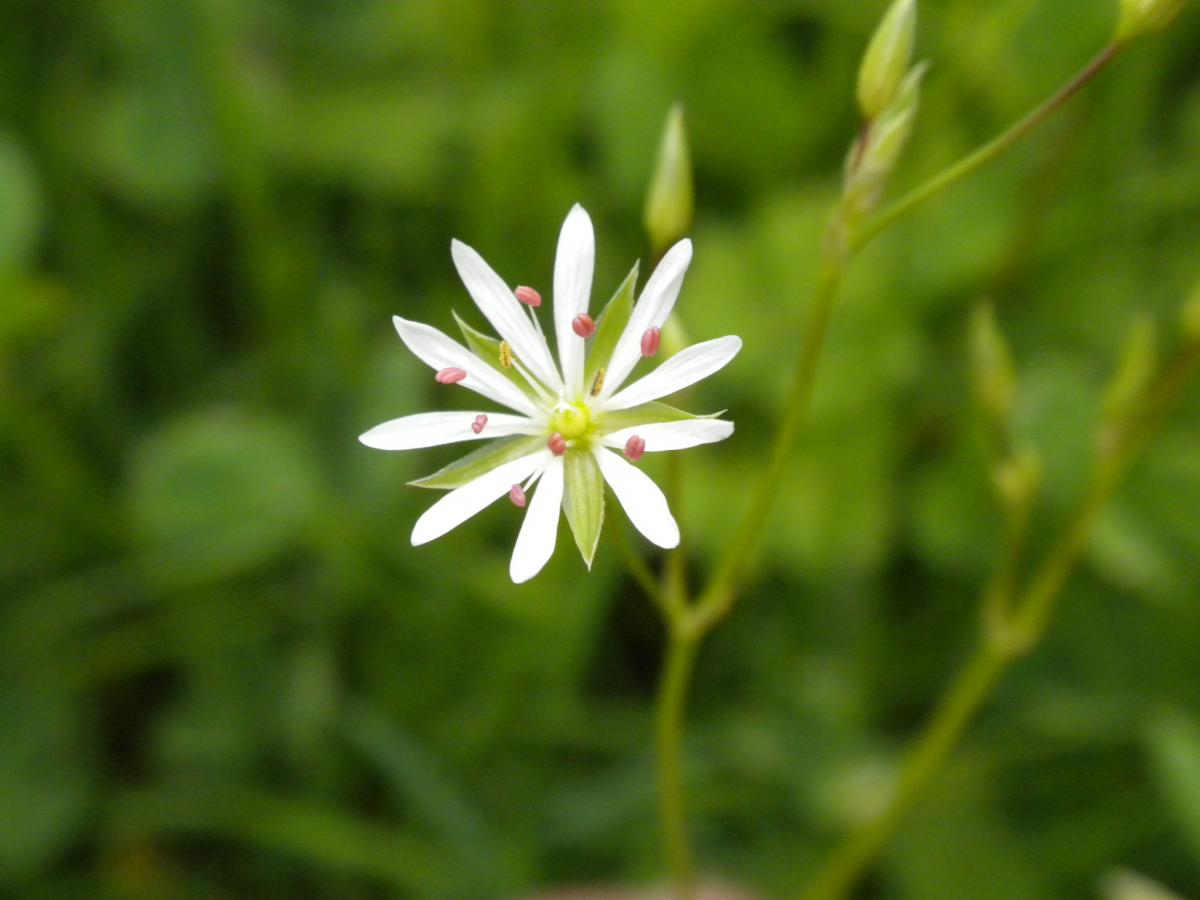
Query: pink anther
column 583, row 325
column 450, row 375
column 634, row 448
column 477, row 425
column 650, row 341
column 528, row 296
column 557, row 445
column 517, row 495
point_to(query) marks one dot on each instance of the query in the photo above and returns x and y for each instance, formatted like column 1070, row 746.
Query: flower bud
column 1018, row 478
column 993, row 375
column 1139, row 362
column 881, row 73
column 875, row 154
column 1139, row 17
column 669, row 204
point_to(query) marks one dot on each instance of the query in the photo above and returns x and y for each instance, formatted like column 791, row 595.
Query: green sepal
column 647, row 414
column 613, row 319
column 480, row 462
column 487, row 348
column 583, row 501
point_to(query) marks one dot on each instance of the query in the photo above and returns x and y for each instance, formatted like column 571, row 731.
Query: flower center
column 571, row 420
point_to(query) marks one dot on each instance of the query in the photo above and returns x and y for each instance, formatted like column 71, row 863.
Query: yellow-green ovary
column 573, row 421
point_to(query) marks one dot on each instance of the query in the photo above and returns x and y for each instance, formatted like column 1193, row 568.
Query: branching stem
column 688, row 623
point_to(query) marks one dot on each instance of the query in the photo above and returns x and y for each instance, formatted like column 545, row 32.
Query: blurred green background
column 224, row 673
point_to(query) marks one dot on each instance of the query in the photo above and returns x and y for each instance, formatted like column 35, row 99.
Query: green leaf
column 46, row 773
column 220, row 492
column 612, row 321
column 487, row 348
column 647, row 414
column 583, row 501
column 468, row 468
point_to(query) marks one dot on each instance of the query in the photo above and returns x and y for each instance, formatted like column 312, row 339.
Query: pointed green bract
column 1139, row 363
column 473, row 465
column 583, row 501
column 487, row 348
column 647, row 414
column 993, row 373
column 612, row 321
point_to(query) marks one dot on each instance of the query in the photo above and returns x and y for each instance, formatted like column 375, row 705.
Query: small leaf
column 647, row 414
column 993, row 374
column 468, row 468
column 487, row 348
column 612, row 321
column 583, row 502
column 1175, row 755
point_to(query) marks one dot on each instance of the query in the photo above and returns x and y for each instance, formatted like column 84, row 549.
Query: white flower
column 567, row 419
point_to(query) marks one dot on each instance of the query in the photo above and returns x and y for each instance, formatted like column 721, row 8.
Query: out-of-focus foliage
column 223, row 671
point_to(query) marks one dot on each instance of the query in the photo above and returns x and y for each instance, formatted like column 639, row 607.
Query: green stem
column 973, row 685
column 985, row 154
column 672, row 702
column 716, row 601
column 939, row 738
column 688, row 624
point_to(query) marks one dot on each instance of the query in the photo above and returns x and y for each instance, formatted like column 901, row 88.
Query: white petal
column 644, row 503
column 684, row 368
column 500, row 307
column 661, row 436
column 436, row 428
column 651, row 311
column 462, row 503
column 435, row 349
column 573, row 263
column 539, row 531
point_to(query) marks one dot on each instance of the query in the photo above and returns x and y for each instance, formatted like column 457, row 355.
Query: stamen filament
column 533, row 382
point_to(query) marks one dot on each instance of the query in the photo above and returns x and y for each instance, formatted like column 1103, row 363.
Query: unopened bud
column 881, row 74
column 875, row 154
column 1139, row 362
column 993, row 375
column 1139, row 17
column 1017, row 479
column 669, row 203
